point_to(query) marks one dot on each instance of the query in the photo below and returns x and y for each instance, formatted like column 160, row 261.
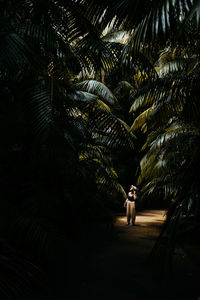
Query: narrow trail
column 118, row 265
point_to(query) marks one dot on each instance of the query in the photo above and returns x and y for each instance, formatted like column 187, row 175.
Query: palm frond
column 142, row 120
column 176, row 133
column 108, row 129
column 149, row 92
column 168, row 156
column 175, row 66
column 173, row 95
column 75, row 25
column 95, row 161
column 38, row 108
column 89, row 98
column 43, row 37
column 83, row 96
column 99, row 89
column 116, row 37
column 96, row 54
column 158, row 21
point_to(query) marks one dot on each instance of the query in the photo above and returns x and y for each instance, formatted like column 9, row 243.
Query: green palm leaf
column 142, row 119
column 116, row 36
column 99, row 89
column 86, row 97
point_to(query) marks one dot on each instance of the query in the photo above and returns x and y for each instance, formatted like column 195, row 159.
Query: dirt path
column 117, row 266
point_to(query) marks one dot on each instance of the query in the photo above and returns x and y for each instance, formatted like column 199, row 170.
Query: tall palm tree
column 168, row 115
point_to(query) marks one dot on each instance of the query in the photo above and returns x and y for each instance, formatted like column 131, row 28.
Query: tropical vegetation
column 91, row 91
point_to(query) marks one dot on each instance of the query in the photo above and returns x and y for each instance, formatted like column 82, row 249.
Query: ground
column 117, row 264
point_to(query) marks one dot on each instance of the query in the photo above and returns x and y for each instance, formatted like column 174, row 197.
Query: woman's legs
column 130, row 212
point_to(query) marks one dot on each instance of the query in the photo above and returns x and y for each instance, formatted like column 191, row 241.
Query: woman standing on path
column 130, row 205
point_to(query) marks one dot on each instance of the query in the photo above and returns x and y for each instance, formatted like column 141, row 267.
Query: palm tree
column 168, row 115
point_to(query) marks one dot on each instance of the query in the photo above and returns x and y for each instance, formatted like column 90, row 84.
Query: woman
column 130, row 205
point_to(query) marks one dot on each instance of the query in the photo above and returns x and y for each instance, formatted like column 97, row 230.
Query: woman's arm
column 125, row 203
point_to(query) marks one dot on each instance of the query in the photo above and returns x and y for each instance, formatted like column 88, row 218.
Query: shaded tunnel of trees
column 95, row 96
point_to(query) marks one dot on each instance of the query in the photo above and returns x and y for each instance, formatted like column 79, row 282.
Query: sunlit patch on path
column 145, row 218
